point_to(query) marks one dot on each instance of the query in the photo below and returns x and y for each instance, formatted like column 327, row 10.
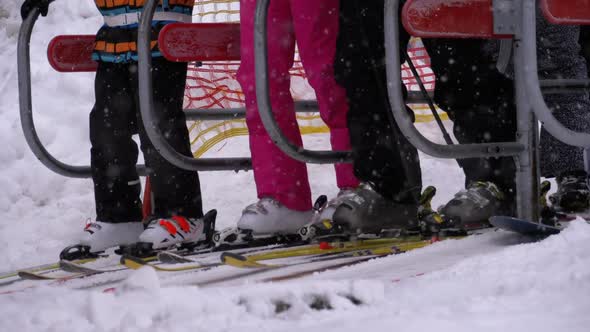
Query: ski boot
column 368, row 214
column 264, row 222
column 429, row 220
column 327, row 211
column 99, row 236
column 573, row 193
column 549, row 216
column 322, row 227
column 471, row 208
column 175, row 232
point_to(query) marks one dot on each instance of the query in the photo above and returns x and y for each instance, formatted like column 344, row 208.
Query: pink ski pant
column 314, row 23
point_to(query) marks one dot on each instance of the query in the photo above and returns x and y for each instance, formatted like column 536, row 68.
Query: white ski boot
column 162, row 233
column 269, row 217
column 99, row 236
column 266, row 221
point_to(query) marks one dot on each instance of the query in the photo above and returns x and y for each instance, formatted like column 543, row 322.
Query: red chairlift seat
column 576, row 12
column 180, row 42
column 449, row 19
column 72, row 53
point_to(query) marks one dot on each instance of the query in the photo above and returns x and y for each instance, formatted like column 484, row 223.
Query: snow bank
column 540, row 286
column 40, row 210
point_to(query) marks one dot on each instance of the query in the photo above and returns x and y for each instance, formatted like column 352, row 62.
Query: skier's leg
column 282, row 184
column 558, row 52
column 114, row 153
column 382, row 155
column 480, row 101
column 176, row 192
column 383, row 159
column 113, row 156
column 316, row 30
column 277, row 175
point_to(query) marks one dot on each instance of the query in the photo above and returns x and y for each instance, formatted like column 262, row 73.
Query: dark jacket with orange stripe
column 118, row 43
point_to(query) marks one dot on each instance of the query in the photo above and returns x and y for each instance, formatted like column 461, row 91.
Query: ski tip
column 523, row 227
column 240, row 261
column 171, row 258
column 66, row 265
column 131, row 262
column 232, row 256
column 31, row 276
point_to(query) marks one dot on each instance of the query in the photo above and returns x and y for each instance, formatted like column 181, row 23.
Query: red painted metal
column 184, row 42
column 449, row 19
column 576, row 12
column 72, row 53
column 146, row 207
column 181, row 42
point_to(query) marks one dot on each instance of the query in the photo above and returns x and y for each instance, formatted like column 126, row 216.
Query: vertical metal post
column 527, row 174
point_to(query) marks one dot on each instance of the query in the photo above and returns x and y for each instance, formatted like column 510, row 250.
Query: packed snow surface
column 491, row 282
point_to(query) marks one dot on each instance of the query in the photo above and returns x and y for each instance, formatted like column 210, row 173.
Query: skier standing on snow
column 282, row 183
column 480, row 101
column 559, row 56
column 385, row 162
column 114, row 119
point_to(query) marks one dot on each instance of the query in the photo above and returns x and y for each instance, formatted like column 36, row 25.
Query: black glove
column 29, row 5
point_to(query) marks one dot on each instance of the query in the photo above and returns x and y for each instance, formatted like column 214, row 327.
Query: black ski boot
column 320, row 228
column 573, row 192
column 368, row 212
column 471, row 208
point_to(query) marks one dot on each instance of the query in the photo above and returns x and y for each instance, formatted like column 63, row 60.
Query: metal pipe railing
column 240, row 112
column 403, row 119
column 263, row 97
column 530, row 83
column 26, row 108
column 527, row 169
column 146, row 105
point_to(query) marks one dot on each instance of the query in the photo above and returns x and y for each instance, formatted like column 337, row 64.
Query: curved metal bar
column 531, row 81
column 264, row 105
column 404, row 121
column 26, row 108
column 146, row 105
column 240, row 112
column 568, row 85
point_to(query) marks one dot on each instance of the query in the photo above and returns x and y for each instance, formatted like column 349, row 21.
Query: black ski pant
column 382, row 155
column 480, row 112
column 559, row 56
column 115, row 119
column 480, row 102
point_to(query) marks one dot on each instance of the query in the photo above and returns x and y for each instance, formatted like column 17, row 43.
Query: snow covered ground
column 487, row 283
